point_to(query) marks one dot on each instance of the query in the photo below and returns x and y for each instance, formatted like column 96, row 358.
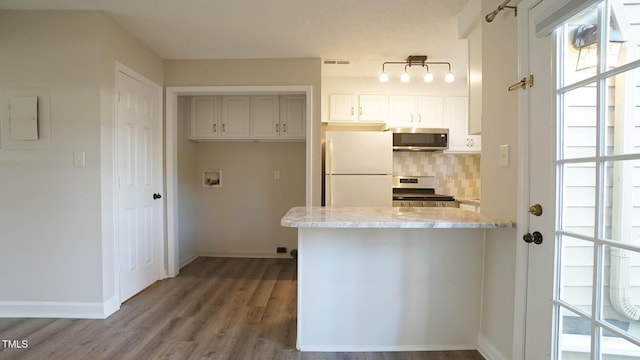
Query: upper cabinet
column 475, row 80
column 456, row 119
column 415, row 111
column 236, row 116
column 265, row 116
column 247, row 117
column 358, row 108
column 293, row 116
column 205, row 117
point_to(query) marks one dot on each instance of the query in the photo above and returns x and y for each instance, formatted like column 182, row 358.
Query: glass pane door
column 597, row 301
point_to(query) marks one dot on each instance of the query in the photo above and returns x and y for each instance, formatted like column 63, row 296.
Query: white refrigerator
column 358, row 168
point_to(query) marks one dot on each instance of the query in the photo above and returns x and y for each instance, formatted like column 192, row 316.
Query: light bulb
column 428, row 77
column 449, row 78
column 405, row 77
column 384, row 77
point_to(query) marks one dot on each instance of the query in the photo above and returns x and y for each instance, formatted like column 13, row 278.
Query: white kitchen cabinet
column 373, row 108
column 358, row 108
column 265, row 116
column 278, row 117
column 247, row 117
column 236, row 116
column 415, row 111
column 293, row 116
column 456, row 119
column 475, row 81
column 204, row 117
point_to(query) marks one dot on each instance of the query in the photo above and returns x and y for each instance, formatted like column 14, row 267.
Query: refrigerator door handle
column 330, row 157
column 328, row 191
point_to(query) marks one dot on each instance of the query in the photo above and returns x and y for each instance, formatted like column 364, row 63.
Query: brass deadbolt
column 536, row 210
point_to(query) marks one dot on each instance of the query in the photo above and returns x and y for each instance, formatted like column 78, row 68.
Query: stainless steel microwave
column 420, row 139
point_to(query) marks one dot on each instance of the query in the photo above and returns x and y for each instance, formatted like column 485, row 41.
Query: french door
column 590, row 183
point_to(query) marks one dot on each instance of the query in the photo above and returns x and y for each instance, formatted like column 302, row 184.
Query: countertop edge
column 321, row 217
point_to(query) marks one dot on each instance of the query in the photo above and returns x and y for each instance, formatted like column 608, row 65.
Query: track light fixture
column 415, row 60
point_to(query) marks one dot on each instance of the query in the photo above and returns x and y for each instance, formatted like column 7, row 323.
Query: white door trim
column 524, row 149
column 121, row 68
column 171, row 151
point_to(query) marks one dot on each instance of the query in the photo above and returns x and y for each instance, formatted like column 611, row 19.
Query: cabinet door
column 265, row 122
column 430, row 114
column 293, row 116
column 457, row 118
column 402, row 110
column 236, row 116
column 343, row 107
column 203, row 122
column 373, row 108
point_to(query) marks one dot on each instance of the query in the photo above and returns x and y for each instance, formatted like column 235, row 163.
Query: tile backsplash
column 456, row 174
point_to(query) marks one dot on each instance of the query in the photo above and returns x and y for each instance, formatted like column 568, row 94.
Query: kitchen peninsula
column 389, row 279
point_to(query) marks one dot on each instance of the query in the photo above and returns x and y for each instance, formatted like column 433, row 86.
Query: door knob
column 536, row 210
column 157, row 196
column 535, row 238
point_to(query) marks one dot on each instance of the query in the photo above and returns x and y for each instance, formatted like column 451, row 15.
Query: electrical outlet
column 276, row 175
column 281, row 249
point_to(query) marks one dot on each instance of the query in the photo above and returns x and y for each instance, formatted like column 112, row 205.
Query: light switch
column 503, row 156
column 78, row 159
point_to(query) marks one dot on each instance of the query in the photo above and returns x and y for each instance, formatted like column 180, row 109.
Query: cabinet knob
column 224, row 127
column 352, row 111
column 277, row 127
column 215, row 127
column 419, row 118
column 284, row 128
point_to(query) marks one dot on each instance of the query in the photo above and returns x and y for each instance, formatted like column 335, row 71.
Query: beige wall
column 242, row 217
column 57, row 220
column 189, row 187
column 51, row 211
column 499, row 184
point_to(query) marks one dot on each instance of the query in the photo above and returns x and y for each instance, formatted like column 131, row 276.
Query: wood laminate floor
column 217, row 308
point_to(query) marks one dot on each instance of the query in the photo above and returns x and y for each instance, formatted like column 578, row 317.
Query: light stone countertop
column 391, row 217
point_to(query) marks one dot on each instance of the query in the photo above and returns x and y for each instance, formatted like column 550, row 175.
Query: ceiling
column 365, row 32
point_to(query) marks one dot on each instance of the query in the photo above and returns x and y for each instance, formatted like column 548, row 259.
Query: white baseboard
column 111, row 306
column 247, row 255
column 52, row 309
column 189, row 260
column 488, row 350
column 361, row 348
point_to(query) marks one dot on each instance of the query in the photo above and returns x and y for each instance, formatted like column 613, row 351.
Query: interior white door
column 581, row 301
column 139, row 166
